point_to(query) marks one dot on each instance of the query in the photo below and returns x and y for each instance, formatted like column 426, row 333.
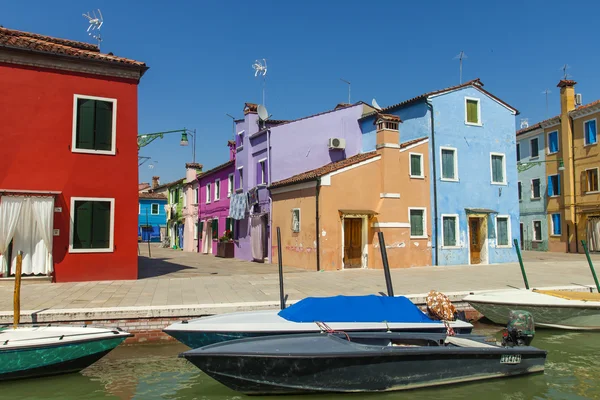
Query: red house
column 68, row 159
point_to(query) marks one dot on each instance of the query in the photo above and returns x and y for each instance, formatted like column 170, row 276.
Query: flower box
column 225, row 249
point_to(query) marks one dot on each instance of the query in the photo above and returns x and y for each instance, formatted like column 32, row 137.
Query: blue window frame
column 556, row 228
column 589, row 128
column 553, row 185
column 553, row 142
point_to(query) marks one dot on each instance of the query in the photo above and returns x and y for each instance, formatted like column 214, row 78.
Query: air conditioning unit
column 578, row 99
column 337, row 144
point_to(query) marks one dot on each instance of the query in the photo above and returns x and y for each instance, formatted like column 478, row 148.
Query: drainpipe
column 574, row 191
column 318, row 241
column 269, row 194
column 435, row 207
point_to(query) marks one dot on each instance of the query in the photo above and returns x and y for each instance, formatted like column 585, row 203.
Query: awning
column 358, row 212
column 480, row 211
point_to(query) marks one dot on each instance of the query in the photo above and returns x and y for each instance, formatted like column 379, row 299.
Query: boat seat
column 462, row 342
column 565, row 294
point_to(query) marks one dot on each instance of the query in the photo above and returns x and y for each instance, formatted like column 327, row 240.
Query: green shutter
column 228, row 224
column 200, row 228
column 448, row 164
column 449, row 231
column 101, row 225
column 82, row 225
column 84, row 138
column 215, row 228
column 415, row 165
column 416, row 223
column 502, row 226
column 103, row 125
column 472, row 116
column 497, row 169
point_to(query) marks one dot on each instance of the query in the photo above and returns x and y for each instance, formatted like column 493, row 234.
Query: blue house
column 152, row 218
column 473, row 174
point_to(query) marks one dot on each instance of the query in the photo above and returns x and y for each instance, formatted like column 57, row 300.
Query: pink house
column 190, row 207
column 215, row 189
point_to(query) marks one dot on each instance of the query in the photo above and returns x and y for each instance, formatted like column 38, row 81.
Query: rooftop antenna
column 546, row 92
column 95, row 24
column 564, row 69
column 349, row 89
column 375, row 105
column 233, row 124
column 460, row 56
column 260, row 68
column 524, row 123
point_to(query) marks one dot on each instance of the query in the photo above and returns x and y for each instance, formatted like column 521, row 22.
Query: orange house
column 329, row 217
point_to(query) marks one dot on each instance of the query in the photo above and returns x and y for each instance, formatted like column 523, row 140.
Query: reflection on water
column 155, row 372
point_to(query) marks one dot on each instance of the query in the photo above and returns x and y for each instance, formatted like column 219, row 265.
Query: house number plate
column 510, row 359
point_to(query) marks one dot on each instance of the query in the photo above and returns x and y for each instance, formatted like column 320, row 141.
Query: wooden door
column 475, row 237
column 352, row 243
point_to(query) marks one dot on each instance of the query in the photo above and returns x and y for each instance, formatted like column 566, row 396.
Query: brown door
column 352, row 243
column 475, row 237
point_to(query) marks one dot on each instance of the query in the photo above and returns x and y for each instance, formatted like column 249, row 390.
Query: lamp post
column 527, row 165
column 184, row 141
column 145, row 139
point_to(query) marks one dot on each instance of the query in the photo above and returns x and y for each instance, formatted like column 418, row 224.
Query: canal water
column 155, row 372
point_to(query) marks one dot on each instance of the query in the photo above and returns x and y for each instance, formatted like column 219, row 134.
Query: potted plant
column 225, row 245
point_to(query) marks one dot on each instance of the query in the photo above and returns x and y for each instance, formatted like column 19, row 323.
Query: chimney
column 567, row 96
column 231, row 144
column 388, row 145
column 192, row 170
column 251, row 118
column 250, row 108
column 155, row 182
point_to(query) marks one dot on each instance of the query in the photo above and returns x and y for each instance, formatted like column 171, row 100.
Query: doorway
column 207, row 237
column 521, row 236
column 478, row 240
column 353, row 249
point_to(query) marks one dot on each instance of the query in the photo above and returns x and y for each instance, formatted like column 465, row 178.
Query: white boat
column 311, row 315
column 550, row 308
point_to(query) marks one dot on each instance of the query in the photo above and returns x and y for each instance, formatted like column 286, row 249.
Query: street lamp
column 147, row 138
column 527, row 165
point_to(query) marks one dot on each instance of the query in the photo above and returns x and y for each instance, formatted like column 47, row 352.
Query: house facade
column 329, row 217
column 474, row 202
column 190, row 207
column 69, row 113
column 152, row 217
column 175, row 222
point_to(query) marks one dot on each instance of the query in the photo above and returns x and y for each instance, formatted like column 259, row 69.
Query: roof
column 169, row 184
column 583, row 107
column 411, row 142
column 10, row 38
column 155, row 196
column 143, row 185
column 531, row 127
column 218, row 167
column 324, row 170
column 566, row 82
column 476, row 83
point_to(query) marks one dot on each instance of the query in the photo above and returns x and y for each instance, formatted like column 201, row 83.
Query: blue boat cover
column 369, row 308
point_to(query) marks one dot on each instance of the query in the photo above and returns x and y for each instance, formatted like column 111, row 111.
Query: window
column 229, row 225
column 520, row 190
column 417, row 222
column 229, row 185
column 537, row 231
column 207, row 193
column 498, row 168
column 94, row 125
column 553, row 186
column 261, row 172
column 416, row 165
column 553, row 142
column 449, row 230
column 92, row 225
column 502, row 231
column 217, row 189
column 472, row 111
column 239, row 143
column 591, row 178
column 196, row 230
column 215, row 229
column 241, row 177
column 518, row 151
column 154, row 209
column 295, row 220
column 184, row 198
column 556, row 229
column 535, row 151
column 449, row 164
column 589, row 132
column 196, row 196
column 535, row 188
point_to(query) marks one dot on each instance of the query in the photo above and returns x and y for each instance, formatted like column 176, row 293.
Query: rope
column 449, row 330
column 326, row 328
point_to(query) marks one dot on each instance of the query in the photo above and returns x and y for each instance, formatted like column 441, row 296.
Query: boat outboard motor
column 520, row 329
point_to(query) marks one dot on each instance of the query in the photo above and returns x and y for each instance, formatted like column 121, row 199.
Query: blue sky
column 200, row 55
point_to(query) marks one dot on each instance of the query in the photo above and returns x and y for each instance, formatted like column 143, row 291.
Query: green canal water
column 155, row 372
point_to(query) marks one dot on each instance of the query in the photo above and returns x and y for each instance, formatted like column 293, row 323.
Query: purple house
column 274, row 150
column 216, row 187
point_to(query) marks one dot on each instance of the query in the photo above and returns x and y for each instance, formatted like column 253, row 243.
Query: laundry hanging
column 237, row 206
column 258, row 234
column 593, row 233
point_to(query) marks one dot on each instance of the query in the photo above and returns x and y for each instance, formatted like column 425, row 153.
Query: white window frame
column 553, row 188
column 425, row 233
column 548, row 141
column 456, row 231
column 111, row 246
column 531, row 156
column 552, row 226
column 541, row 239
column 478, row 111
column 113, row 150
column 230, row 184
column 455, row 150
column 585, row 144
column 422, row 176
column 263, row 170
column 157, row 206
column 520, row 190
column 587, row 181
column 208, row 193
column 196, row 195
column 532, row 191
column 509, row 233
column 241, row 135
column 217, row 189
column 299, row 220
column 196, row 230
column 241, row 175
column 503, row 169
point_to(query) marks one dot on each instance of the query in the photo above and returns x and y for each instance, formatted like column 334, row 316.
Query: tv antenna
column 260, row 68
column 564, row 69
column 460, row 56
column 546, row 92
column 375, row 105
column 349, row 89
column 95, row 24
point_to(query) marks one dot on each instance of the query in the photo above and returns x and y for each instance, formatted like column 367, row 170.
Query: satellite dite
column 95, row 22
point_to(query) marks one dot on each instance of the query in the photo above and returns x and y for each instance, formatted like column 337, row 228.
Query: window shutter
column 84, row 135
column 557, row 185
column 103, row 125
column 449, row 231
column 415, row 165
column 258, row 180
column 215, row 228
column 472, row 116
column 228, row 224
column 266, row 172
column 82, row 225
column 416, row 223
column 593, row 131
column 200, row 228
column 101, row 225
column 550, row 189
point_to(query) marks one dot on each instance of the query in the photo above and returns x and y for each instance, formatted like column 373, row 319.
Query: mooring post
column 17, row 297
column 516, row 242
column 279, row 261
column 386, row 266
column 587, row 254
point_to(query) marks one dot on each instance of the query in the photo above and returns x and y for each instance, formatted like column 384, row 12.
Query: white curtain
column 257, row 234
column 43, row 210
column 593, row 233
column 207, row 237
column 10, row 209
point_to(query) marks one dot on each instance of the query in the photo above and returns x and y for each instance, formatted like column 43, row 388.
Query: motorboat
column 27, row 352
column 350, row 362
column 550, row 308
column 369, row 313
